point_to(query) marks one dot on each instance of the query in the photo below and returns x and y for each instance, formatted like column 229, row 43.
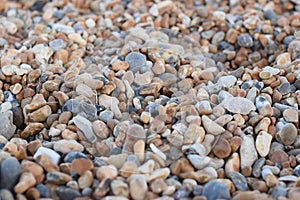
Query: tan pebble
column 81, row 165
column 145, row 117
column 120, row 65
column 232, row 164
column 159, row 173
column 69, row 135
column 40, row 115
column 147, row 167
column 31, row 129
column 105, row 172
column 33, row 193
column 119, row 188
column 128, row 168
column 76, row 37
column 294, row 193
column 291, row 115
column 33, row 146
column 45, row 162
column 100, row 129
column 222, row 149
column 263, row 125
column 36, row 170
column 138, row 186
column 16, row 89
column 263, row 143
column 158, row 185
column 271, row 180
column 139, row 150
column 10, row 147
column 283, row 59
column 85, row 180
column 26, row 181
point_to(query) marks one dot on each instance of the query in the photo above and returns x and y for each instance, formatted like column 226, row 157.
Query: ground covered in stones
column 149, row 99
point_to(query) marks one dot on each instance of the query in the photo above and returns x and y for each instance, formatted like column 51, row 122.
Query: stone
column 44, row 191
column 106, row 115
column 138, row 186
column 100, row 129
column 257, row 167
column 6, row 194
column 66, row 146
column 278, row 191
column 66, row 193
column 279, row 156
column 283, row 59
column 81, row 165
column 232, row 164
column 222, row 149
column 119, row 188
column 49, row 153
column 288, row 134
column 245, row 40
column 86, row 127
column 263, row 143
column 198, row 162
column 238, row 105
column 85, row 180
column 248, row 152
column 74, row 155
column 134, row 133
column 227, row 81
column 291, row 115
column 136, row 61
column 32, row 129
column 239, row 181
column 10, row 173
column 104, row 172
column 204, row 107
column 215, row 190
column 58, row 178
column 80, row 107
column 36, row 170
column 7, row 127
column 211, row 127
column 26, row 181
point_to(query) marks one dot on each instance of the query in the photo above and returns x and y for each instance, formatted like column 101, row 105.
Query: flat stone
column 67, row 146
column 257, row 167
column 248, row 152
column 80, row 107
column 212, row 127
column 7, row 127
column 32, row 129
column 86, row 127
column 263, row 143
column 238, row 105
column 245, row 40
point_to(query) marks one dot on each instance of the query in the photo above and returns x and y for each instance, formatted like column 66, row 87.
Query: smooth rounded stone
column 107, row 171
column 263, row 143
column 291, row 115
column 204, row 107
column 248, row 152
column 215, row 190
column 32, row 129
column 288, row 134
column 136, row 61
column 257, row 167
column 119, row 188
column 222, row 149
column 53, row 156
column 283, row 59
column 224, row 119
column 100, row 129
column 278, row 191
column 232, row 164
column 74, row 155
column 212, row 127
column 183, row 192
column 67, row 193
column 106, row 115
column 227, row 81
column 86, row 127
column 194, row 133
column 198, row 162
column 238, row 105
column 6, row 126
column 6, row 194
column 67, row 146
column 43, row 190
column 261, row 101
column 85, row 180
column 138, row 186
column 245, row 40
column 10, row 173
column 26, row 181
column 80, row 165
column 272, row 70
column 57, row 44
column 284, row 88
column 239, row 181
column 87, row 192
column 80, row 107
column 84, row 90
column 279, row 156
column 134, row 133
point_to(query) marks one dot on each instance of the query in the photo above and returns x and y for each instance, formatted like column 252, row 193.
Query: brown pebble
column 81, row 165
column 26, row 181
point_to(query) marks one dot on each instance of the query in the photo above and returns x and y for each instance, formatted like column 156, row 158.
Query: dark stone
column 239, row 181
column 74, row 155
column 215, row 190
column 65, row 193
column 10, row 173
column 257, row 167
column 85, row 109
column 136, row 60
column 44, row 191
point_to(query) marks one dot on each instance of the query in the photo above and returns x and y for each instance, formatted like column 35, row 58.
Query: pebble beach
column 149, row 99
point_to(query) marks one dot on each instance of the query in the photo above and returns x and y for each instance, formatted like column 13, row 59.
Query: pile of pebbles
column 149, row 99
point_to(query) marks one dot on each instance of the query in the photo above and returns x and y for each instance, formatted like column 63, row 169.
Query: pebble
column 245, row 40
column 222, row 149
column 138, row 186
column 215, row 190
column 212, row 127
column 67, row 193
column 248, row 152
column 136, row 60
column 106, row 115
column 288, row 134
column 198, row 162
column 239, row 181
column 43, row 190
column 86, row 127
column 227, row 81
column 7, row 127
column 204, row 107
column 26, row 181
column 67, row 146
column 10, row 173
column 238, row 105
column 263, row 143
column 49, row 153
